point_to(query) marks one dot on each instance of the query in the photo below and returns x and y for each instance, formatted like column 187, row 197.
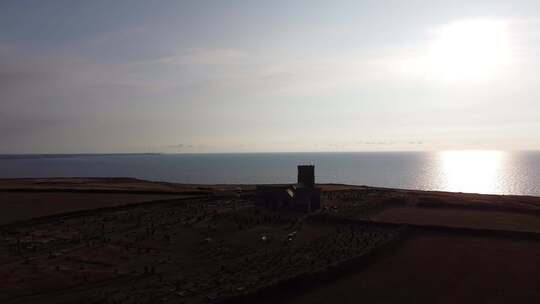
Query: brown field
column 433, row 268
column 23, row 199
column 109, row 185
column 125, row 184
column 479, row 219
column 18, row 206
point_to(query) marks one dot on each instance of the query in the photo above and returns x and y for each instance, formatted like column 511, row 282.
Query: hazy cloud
column 254, row 78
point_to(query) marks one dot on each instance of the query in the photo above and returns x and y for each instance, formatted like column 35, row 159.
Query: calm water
column 463, row 171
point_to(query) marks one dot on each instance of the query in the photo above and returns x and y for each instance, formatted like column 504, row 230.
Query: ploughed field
column 480, row 219
column 442, row 268
column 24, row 199
column 207, row 244
column 19, row 206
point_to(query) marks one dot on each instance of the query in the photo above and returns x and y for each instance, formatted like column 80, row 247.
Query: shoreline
column 128, row 183
column 77, row 194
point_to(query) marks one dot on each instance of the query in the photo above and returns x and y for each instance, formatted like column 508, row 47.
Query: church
column 302, row 196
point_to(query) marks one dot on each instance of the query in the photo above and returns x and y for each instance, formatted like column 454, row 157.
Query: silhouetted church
column 302, row 196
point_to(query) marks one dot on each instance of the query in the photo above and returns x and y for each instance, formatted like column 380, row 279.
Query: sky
column 268, row 76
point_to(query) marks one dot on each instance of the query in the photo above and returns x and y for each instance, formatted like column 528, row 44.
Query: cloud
column 391, row 142
column 29, row 77
column 272, row 72
column 223, row 97
column 206, row 57
column 15, row 127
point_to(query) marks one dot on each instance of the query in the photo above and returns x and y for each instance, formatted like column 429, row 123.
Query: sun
column 476, row 49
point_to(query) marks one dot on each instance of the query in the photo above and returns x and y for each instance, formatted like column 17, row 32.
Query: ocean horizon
column 487, row 172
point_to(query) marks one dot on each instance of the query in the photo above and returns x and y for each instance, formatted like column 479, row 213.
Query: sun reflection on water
column 472, row 171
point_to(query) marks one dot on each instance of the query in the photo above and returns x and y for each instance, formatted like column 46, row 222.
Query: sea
column 491, row 172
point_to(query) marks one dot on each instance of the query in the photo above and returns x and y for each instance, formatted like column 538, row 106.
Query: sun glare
column 471, row 171
column 469, row 50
